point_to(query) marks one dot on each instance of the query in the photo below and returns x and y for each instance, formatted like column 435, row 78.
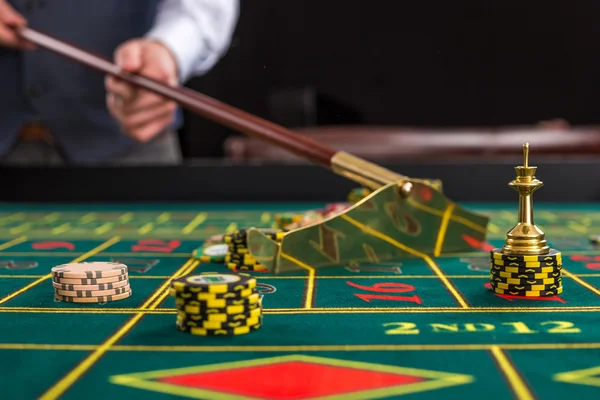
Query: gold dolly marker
column 525, row 237
column 525, row 246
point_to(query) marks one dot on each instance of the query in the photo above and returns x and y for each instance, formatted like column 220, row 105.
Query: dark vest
column 69, row 98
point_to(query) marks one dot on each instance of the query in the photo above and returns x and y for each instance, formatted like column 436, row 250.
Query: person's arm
column 9, row 20
column 188, row 38
column 197, row 32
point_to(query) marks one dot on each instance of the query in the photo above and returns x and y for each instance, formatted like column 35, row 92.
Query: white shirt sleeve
column 198, row 32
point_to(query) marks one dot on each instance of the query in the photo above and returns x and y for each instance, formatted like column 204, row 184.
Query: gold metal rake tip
column 526, row 155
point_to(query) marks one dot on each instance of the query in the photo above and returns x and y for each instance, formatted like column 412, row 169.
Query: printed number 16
column 386, row 287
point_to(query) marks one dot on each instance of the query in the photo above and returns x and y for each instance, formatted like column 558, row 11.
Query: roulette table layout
column 220, row 281
column 416, row 327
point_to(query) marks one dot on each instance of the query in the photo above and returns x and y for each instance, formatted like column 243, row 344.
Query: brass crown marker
column 525, row 237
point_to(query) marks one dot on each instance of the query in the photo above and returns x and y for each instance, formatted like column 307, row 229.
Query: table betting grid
column 422, row 327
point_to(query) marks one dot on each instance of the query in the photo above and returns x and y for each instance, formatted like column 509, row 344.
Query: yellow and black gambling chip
column 223, row 317
column 239, row 248
column 181, row 300
column 245, row 262
column 255, row 267
column 241, row 259
column 189, row 299
column 521, row 275
column 239, row 251
column 220, row 304
column 274, row 234
column 195, row 307
column 512, row 281
column 239, row 238
column 525, row 293
column 552, row 256
column 527, row 270
column 524, row 264
column 214, row 282
column 527, row 288
column 239, row 267
column 212, row 324
column 239, row 330
column 205, row 296
column 594, row 239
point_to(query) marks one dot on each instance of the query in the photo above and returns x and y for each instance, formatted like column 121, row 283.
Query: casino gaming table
column 415, row 328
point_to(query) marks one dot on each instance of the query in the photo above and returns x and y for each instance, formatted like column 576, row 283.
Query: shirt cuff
column 180, row 36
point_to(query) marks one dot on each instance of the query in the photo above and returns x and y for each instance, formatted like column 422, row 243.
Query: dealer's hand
column 9, row 20
column 141, row 113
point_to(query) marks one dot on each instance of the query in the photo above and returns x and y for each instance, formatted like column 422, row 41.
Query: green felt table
column 331, row 333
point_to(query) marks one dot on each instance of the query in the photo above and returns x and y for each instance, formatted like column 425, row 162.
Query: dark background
column 418, row 63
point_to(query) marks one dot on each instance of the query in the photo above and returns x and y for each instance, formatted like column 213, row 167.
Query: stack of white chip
column 91, row 282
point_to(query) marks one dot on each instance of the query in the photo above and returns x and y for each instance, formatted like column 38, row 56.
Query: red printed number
column 156, row 245
column 18, row 265
column 386, row 288
column 595, row 266
column 53, row 245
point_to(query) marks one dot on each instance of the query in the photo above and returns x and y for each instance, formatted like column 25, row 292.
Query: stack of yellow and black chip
column 526, row 275
column 217, row 304
column 239, row 257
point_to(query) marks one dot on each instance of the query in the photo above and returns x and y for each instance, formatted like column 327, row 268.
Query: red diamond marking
column 291, row 380
column 291, row 377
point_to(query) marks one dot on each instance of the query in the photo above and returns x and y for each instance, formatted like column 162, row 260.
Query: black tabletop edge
column 466, row 180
